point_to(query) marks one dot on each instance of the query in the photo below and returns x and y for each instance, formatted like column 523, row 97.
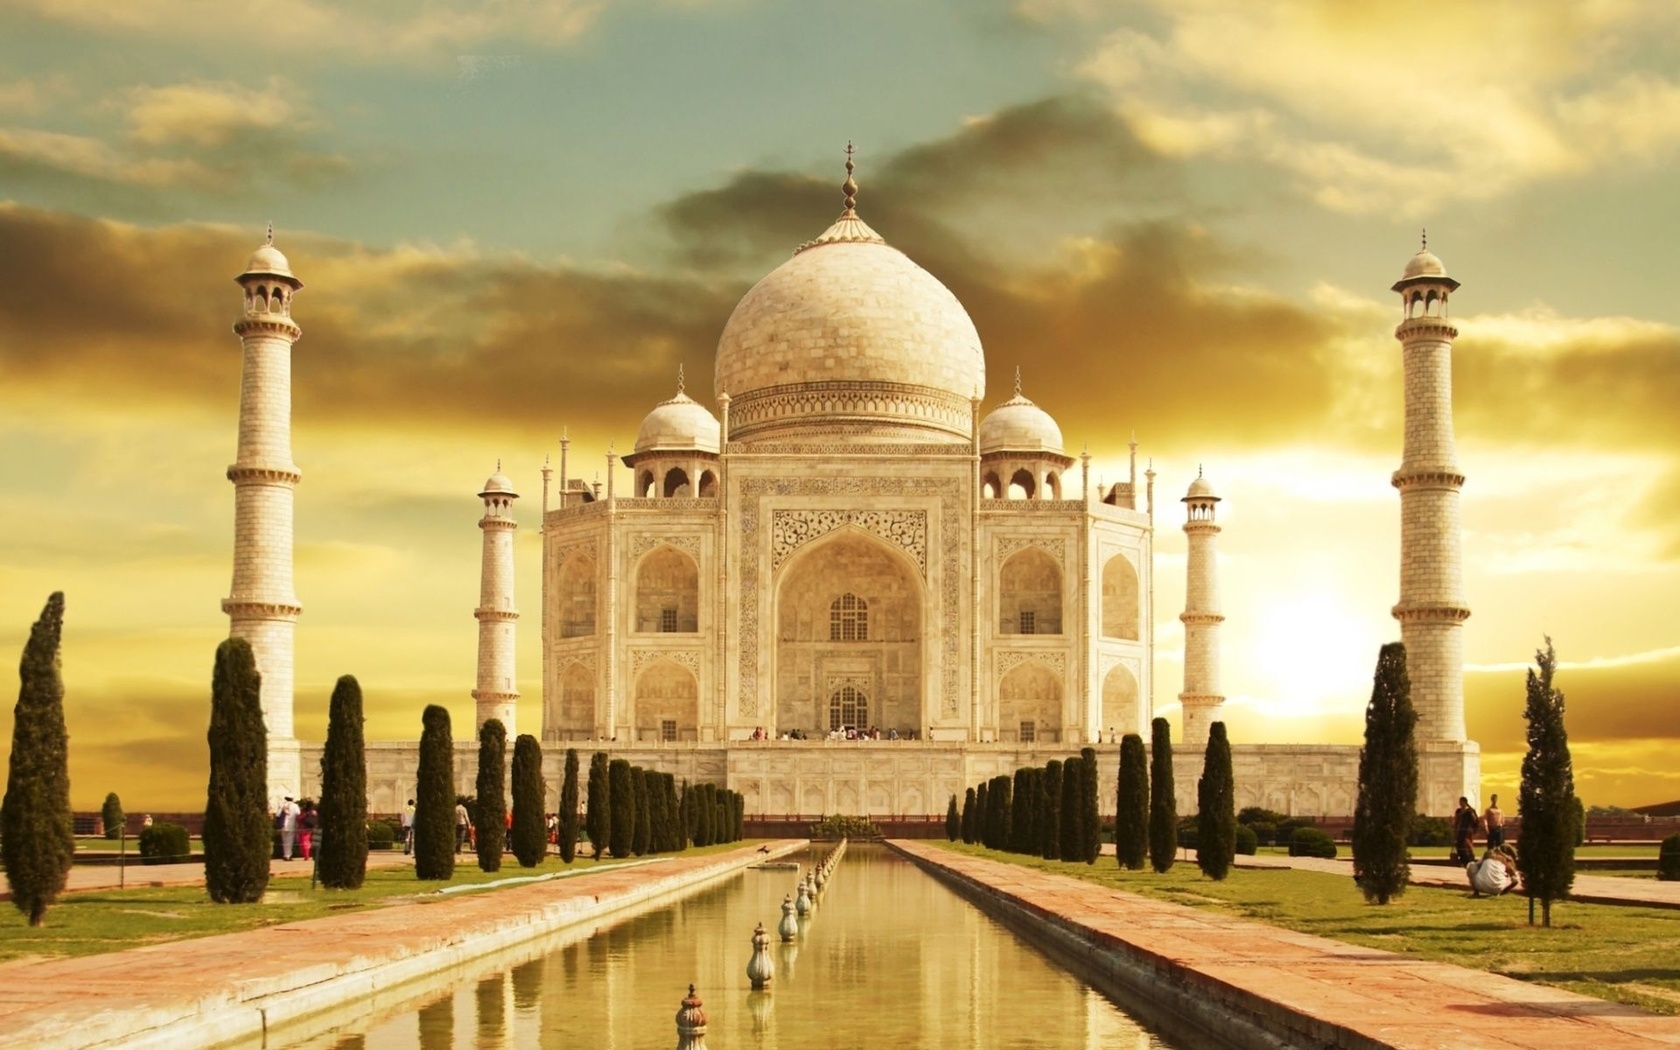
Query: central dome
column 849, row 338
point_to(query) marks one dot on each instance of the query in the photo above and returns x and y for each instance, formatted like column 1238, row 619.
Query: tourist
column 408, row 828
column 307, row 820
column 145, row 822
column 1464, row 831
column 1493, row 823
column 1495, row 873
column 286, row 819
column 463, row 824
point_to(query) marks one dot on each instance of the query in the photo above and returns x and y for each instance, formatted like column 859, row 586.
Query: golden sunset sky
column 1177, row 217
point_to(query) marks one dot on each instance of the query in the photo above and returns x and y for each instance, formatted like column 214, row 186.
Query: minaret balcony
column 1425, row 328
column 495, row 615
column 256, row 609
column 1427, row 478
column 263, row 474
column 1431, row 612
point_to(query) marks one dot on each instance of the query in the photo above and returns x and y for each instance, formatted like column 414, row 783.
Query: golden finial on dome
column 270, row 232
column 679, row 377
column 850, row 186
column 1425, row 240
column 1017, row 380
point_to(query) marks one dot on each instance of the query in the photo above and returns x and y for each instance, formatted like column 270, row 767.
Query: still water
column 890, row 958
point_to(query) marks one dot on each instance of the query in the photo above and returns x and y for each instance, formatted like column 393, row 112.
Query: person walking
column 288, row 821
column 463, row 823
column 1493, row 823
column 408, row 828
column 307, row 819
column 1464, row 832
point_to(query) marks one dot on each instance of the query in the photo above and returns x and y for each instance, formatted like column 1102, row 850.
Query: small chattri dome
column 1201, row 488
column 498, row 484
column 1018, row 425
column 680, row 424
column 1424, row 264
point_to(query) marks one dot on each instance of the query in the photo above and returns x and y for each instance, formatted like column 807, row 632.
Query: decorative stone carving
column 1009, row 659
column 792, row 529
column 1056, row 548
column 951, row 518
column 640, row 658
column 642, row 542
column 584, row 547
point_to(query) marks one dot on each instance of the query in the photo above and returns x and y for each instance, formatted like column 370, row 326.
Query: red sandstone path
column 1375, row 998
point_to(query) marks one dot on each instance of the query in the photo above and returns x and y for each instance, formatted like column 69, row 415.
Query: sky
column 1178, row 218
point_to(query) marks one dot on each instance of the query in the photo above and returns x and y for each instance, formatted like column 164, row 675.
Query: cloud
column 1374, row 111
column 372, row 31
column 209, row 115
column 1614, row 700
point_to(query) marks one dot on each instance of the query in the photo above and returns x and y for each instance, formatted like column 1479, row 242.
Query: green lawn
column 94, row 921
column 1623, row 954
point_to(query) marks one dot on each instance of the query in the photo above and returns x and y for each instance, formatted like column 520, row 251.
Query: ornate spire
column 850, row 186
column 270, row 232
column 680, row 382
column 1425, row 240
column 1198, row 470
column 498, row 464
column 1017, row 380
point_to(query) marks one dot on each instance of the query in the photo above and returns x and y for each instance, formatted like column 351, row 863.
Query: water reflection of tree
column 491, row 1003
column 437, row 1024
column 527, row 984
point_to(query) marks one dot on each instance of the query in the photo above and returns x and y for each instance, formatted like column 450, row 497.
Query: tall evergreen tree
column 1050, row 835
column 1131, row 804
column 1020, row 816
column 111, row 816
column 1388, row 781
column 1090, row 819
column 569, row 808
column 1072, row 835
column 1216, row 809
column 953, row 822
column 659, row 835
column 529, row 840
column 1163, row 807
column 35, row 829
column 968, row 834
column 434, row 797
column 238, row 834
column 492, row 796
column 1546, row 801
column 686, row 800
column 983, row 813
column 621, row 787
column 598, row 821
column 341, row 843
column 641, row 835
column 1002, row 802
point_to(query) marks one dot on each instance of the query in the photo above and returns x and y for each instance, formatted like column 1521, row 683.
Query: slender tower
column 496, row 696
column 1201, row 700
column 262, row 607
column 1432, row 609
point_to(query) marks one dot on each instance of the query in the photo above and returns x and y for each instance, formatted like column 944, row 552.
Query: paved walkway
column 1319, row 991
column 239, row 984
column 135, row 875
column 1589, row 889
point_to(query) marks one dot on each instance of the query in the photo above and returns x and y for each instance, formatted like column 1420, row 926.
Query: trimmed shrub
column 1050, row 831
column 673, row 808
column 568, row 831
column 1429, row 831
column 165, row 843
column 1546, row 802
column 1311, row 842
column 1090, row 819
column 1668, row 859
column 111, row 816
column 35, row 817
column 238, row 831
column 953, row 822
column 982, row 813
column 341, row 840
column 1388, row 781
column 641, row 833
column 529, row 840
column 598, row 821
column 1216, row 813
column 1131, row 821
column 968, row 816
column 490, row 815
column 621, row 787
column 434, row 798
column 1265, row 832
column 1252, row 815
column 1186, row 832
column 1247, row 841
column 380, row 834
column 1072, row 836
column 1163, row 806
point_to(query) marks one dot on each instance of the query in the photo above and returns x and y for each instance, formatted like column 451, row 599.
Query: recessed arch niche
column 1030, row 693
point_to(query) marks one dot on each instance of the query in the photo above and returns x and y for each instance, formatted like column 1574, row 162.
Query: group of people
column 1496, row 871
column 465, row 832
column 296, row 822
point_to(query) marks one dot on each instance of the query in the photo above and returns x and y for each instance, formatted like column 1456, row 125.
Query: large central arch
column 848, row 620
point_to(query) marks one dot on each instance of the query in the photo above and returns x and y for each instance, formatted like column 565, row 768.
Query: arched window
column 644, row 484
column 848, row 706
column 668, row 592
column 708, row 485
column 1119, row 598
column 848, row 619
column 1021, row 484
column 577, row 597
column 1030, row 594
column 676, row 483
column 991, row 487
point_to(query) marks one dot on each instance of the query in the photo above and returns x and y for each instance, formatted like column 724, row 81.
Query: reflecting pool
column 889, row 958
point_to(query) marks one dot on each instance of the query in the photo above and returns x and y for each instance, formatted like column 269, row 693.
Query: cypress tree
column 1546, row 801
column 238, row 832
column 1163, row 807
column 709, row 815
column 1002, row 803
column 1090, row 817
column 1388, row 781
column 968, row 816
column 685, row 813
column 341, row 843
column 35, row 831
column 953, row 822
column 1072, row 835
column 1131, row 810
column 1050, row 835
column 739, row 831
column 1020, row 822
column 434, row 797
column 673, row 804
column 1216, row 812
column 569, row 808
column 530, row 829
column 492, row 796
column 111, row 816
column 621, row 788
column 641, row 835
column 598, row 821
column 983, row 813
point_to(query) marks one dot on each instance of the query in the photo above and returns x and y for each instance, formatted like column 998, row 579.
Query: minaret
column 1432, row 608
column 261, row 606
column 1201, row 700
column 496, row 695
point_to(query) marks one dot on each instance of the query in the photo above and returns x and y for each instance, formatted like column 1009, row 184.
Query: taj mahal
column 851, row 585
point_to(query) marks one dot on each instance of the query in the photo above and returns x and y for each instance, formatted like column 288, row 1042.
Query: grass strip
column 1614, row 952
